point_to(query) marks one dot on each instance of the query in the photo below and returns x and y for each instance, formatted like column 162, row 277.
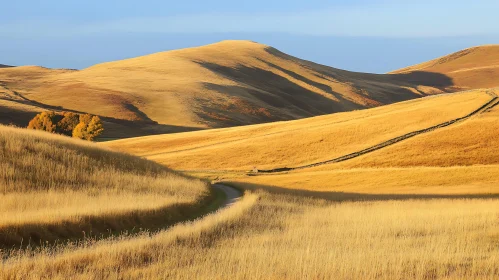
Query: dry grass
column 287, row 237
column 469, row 68
column 416, row 180
column 299, row 142
column 224, row 84
column 462, row 158
column 473, row 142
column 53, row 181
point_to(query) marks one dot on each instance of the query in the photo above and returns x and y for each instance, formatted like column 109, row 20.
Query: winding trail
column 484, row 108
column 225, row 197
column 232, row 194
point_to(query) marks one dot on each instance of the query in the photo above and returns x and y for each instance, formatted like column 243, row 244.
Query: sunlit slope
column 459, row 159
column 56, row 187
column 294, row 143
column 470, row 68
column 474, row 142
column 223, row 84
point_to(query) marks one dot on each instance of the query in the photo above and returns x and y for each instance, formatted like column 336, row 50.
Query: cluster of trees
column 82, row 126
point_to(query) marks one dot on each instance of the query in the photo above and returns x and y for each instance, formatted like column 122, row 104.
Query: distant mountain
column 225, row 84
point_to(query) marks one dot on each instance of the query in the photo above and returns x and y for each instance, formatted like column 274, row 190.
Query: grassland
column 294, row 143
column 53, row 187
column 468, row 68
column 290, row 237
column 423, row 208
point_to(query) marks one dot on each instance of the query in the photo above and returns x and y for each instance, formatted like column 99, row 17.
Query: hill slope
column 476, row 67
column 421, row 164
column 55, row 187
column 300, row 142
column 224, row 84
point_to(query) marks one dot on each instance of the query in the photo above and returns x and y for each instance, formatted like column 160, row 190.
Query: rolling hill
column 299, row 142
column 225, row 84
column 56, row 188
column 476, row 67
column 417, row 164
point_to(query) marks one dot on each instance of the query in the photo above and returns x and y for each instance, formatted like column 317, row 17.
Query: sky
column 359, row 35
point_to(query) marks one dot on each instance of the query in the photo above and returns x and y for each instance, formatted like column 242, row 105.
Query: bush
column 46, row 121
column 88, row 128
column 68, row 123
column 85, row 127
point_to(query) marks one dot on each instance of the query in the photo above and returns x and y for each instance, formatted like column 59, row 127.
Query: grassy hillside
column 465, row 151
column 54, row 187
column 419, row 222
column 469, row 68
column 224, row 84
column 294, row 143
column 291, row 237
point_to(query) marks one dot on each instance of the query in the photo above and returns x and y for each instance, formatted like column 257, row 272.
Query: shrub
column 88, row 128
column 85, row 126
column 46, row 121
column 68, row 123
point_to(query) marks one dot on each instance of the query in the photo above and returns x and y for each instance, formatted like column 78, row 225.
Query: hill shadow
column 423, row 78
column 352, row 197
column 113, row 128
column 277, row 91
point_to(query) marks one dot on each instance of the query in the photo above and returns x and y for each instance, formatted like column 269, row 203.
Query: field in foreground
column 53, row 187
column 290, row 237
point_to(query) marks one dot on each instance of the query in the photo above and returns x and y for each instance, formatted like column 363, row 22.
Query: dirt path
column 484, row 108
column 232, row 194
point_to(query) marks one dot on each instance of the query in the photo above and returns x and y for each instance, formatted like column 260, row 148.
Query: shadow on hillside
column 113, row 128
column 10, row 116
column 350, row 197
column 273, row 90
column 98, row 227
column 423, row 78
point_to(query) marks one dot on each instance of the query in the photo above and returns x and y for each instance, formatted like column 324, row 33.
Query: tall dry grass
column 291, row 237
column 53, row 181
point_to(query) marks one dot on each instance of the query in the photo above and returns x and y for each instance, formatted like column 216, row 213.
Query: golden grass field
column 426, row 207
column 220, row 85
column 469, row 68
column 53, row 187
column 293, row 143
column 274, row 236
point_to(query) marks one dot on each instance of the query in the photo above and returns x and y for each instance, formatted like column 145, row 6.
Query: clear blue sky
column 361, row 35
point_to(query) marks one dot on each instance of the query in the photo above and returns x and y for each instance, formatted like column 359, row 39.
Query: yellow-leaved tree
column 88, row 128
column 46, row 121
column 85, row 127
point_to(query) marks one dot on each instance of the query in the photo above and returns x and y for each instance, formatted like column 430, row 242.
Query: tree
column 71, row 124
column 88, row 128
column 46, row 121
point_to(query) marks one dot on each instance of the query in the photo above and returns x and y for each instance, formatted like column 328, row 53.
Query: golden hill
column 307, row 141
column 299, row 142
column 224, row 84
column 476, row 67
column 53, row 187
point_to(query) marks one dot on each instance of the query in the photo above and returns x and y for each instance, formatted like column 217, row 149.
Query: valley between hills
column 237, row 161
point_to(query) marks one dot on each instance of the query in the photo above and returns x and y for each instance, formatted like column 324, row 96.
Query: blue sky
column 360, row 35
